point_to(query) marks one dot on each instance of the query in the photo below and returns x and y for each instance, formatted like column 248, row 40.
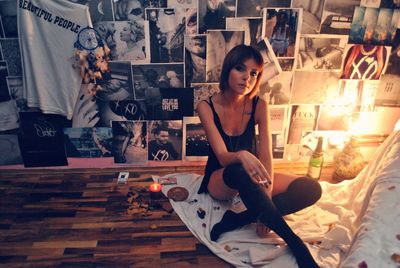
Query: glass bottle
column 316, row 161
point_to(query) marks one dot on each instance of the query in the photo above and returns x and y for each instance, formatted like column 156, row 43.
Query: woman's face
column 243, row 77
column 125, row 34
column 197, row 45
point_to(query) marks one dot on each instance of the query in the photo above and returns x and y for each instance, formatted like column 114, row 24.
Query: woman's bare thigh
column 282, row 181
column 217, row 187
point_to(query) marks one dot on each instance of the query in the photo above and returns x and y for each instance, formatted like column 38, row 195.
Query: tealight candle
column 155, row 191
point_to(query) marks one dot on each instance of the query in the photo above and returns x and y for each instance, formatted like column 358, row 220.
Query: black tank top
column 245, row 141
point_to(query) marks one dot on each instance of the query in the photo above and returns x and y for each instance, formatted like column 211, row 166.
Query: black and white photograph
column 169, row 103
column 282, row 28
column 323, row 88
column 203, row 91
column 191, row 20
column 365, row 62
column 162, row 75
column 271, row 67
column 337, row 16
column 88, row 142
column 8, row 15
column 165, row 140
column 195, row 58
column 134, row 10
column 4, row 93
column 278, row 145
column 302, row 118
column 388, row 93
column 219, row 43
column 167, row 29
column 213, row 13
column 9, row 148
column 106, row 31
column 131, row 39
column 129, row 144
column 278, row 115
column 182, row 4
column 287, row 65
column 318, row 52
column 16, row 89
column 312, row 14
column 278, row 89
column 195, row 144
column 334, row 117
column 253, row 8
column 12, row 55
column 252, row 28
column 100, row 10
column 41, row 139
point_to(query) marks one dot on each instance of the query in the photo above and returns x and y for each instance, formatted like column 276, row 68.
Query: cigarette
column 264, row 181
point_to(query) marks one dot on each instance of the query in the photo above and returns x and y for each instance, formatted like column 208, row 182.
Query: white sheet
column 354, row 221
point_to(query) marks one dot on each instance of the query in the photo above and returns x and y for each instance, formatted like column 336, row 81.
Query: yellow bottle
column 316, row 161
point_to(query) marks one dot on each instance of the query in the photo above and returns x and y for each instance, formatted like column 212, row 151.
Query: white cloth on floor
column 342, row 226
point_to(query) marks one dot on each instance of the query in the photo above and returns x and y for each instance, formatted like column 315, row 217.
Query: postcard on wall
column 156, row 75
column 388, row 93
column 219, row 43
column 203, row 91
column 364, row 61
column 323, row 88
column 195, row 58
column 129, row 144
column 165, row 140
column 318, row 52
column 271, row 64
column 169, row 103
column 312, row 13
column 282, row 28
column 195, row 144
column 166, row 34
column 9, row 148
column 337, row 16
column 252, row 28
column 302, row 118
column 41, row 139
column 213, row 14
column 88, row 142
column 278, row 116
column 278, row 89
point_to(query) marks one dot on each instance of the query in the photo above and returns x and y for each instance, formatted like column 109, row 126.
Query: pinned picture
column 165, row 140
column 182, row 4
column 312, row 14
column 219, row 43
column 100, row 10
column 302, row 118
column 12, row 55
column 16, row 89
column 278, row 116
column 203, row 91
column 334, row 117
column 129, row 145
column 252, row 28
column 388, row 93
column 282, row 28
column 195, row 144
column 278, row 89
column 134, row 10
column 166, row 34
column 195, row 58
column 213, row 14
column 88, row 142
column 337, row 16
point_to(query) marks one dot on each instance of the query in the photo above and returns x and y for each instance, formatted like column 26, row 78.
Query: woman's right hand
column 254, row 168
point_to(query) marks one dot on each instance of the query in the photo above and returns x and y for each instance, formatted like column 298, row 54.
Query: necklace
column 368, row 53
column 234, row 148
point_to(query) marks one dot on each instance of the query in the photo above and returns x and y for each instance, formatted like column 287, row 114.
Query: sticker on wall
column 195, row 144
column 195, row 58
column 165, row 140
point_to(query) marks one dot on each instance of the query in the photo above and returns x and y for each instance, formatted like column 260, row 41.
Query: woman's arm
column 262, row 118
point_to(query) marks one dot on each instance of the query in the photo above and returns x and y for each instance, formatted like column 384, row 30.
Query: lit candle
column 155, row 191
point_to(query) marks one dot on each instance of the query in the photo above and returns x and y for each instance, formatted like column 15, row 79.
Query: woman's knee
column 310, row 187
column 235, row 175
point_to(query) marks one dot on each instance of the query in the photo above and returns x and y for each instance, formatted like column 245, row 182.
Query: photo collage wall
column 328, row 64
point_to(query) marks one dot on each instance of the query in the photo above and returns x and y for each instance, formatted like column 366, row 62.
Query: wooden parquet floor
column 52, row 219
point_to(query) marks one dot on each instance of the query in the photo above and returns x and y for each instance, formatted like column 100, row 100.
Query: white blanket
column 354, row 221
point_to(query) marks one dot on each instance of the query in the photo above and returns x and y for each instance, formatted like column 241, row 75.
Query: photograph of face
column 337, row 16
column 167, row 29
column 129, row 145
column 281, row 28
column 213, row 14
column 106, row 31
column 163, row 75
column 320, row 53
column 278, row 89
column 202, row 91
column 252, row 28
column 195, row 58
column 323, row 88
column 165, row 140
column 130, row 39
column 312, row 13
column 195, row 144
column 219, row 43
column 131, row 10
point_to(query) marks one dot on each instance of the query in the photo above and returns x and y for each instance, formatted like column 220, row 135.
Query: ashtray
column 178, row 193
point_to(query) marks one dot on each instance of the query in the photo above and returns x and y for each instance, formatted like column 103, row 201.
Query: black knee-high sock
column 256, row 199
column 301, row 193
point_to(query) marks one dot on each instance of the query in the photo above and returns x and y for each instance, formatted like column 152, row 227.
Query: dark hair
column 160, row 128
column 238, row 55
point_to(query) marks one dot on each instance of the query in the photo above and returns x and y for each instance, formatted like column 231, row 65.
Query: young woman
column 235, row 166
